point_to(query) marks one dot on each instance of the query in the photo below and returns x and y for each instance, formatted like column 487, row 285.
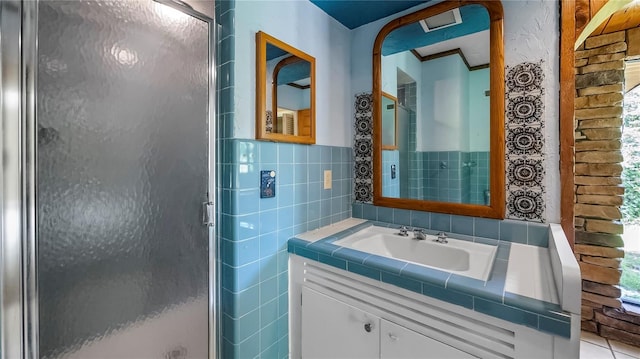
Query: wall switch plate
column 327, row 179
column 267, row 184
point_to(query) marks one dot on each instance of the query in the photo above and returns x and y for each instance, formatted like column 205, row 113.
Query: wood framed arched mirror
column 445, row 66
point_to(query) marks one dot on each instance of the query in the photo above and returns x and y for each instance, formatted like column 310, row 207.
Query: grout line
column 610, row 348
column 613, row 354
column 446, row 282
column 597, row 344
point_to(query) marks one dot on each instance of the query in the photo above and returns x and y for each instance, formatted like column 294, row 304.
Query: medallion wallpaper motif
column 363, row 148
column 525, row 142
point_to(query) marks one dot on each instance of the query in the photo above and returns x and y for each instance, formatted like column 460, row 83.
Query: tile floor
column 593, row 346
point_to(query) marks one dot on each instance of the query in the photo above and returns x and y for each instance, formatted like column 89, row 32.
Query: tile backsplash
column 536, row 234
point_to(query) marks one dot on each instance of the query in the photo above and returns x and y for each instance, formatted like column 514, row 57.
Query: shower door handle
column 208, row 214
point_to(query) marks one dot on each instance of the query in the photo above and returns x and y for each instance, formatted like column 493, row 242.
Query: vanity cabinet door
column 333, row 329
column 401, row 343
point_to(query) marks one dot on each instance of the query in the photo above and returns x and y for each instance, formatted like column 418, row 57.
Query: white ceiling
column 475, row 47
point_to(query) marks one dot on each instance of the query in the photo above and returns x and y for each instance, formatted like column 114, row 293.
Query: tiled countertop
column 488, row 297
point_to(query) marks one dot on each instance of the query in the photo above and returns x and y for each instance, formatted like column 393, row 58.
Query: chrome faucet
column 403, row 231
column 418, row 234
column 441, row 238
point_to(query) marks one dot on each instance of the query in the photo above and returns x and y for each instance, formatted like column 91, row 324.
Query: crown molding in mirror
column 262, row 112
column 496, row 209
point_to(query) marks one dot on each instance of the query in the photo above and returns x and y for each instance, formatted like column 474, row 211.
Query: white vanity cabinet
column 329, row 309
column 399, row 342
column 334, row 329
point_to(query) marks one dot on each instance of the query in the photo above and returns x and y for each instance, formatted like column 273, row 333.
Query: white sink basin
column 466, row 258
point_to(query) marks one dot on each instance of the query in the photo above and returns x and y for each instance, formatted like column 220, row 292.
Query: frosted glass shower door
column 122, row 173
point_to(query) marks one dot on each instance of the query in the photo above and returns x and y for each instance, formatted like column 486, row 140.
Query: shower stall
column 108, row 245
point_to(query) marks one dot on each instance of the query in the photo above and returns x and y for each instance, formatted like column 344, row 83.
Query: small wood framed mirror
column 285, row 92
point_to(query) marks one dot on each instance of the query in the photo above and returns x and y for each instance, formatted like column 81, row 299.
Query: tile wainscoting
column 254, row 233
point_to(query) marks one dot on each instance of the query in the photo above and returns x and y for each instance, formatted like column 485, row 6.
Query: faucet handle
column 418, row 230
column 403, row 231
column 442, row 235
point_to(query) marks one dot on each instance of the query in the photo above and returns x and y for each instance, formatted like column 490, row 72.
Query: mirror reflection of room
column 288, row 93
column 285, row 92
column 438, row 70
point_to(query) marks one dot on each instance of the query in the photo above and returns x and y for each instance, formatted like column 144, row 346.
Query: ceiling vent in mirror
column 445, row 19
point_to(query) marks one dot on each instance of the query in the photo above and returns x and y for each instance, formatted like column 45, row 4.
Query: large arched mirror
column 444, row 67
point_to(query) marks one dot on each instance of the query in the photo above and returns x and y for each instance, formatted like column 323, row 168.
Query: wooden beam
column 633, row 44
column 623, row 19
column 583, row 14
column 567, row 96
column 602, row 14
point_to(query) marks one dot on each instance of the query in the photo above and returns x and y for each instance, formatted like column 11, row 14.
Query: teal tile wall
column 254, row 233
column 536, row 234
column 454, row 176
column 411, row 186
column 416, row 174
column 239, row 305
column 479, row 177
column 225, row 66
column 465, row 177
column 444, row 180
column 390, row 187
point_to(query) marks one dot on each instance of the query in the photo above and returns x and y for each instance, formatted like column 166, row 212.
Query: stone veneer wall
column 599, row 66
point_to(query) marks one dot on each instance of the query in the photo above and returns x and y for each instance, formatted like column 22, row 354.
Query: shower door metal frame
column 18, row 215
